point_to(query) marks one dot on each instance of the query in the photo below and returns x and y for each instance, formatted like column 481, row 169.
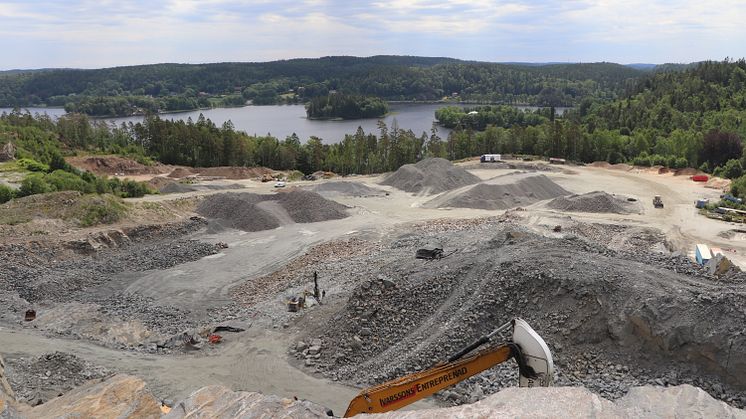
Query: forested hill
column 710, row 95
column 694, row 117
column 387, row 77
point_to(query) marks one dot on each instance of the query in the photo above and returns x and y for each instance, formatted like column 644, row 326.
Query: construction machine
column 535, row 367
column 657, row 201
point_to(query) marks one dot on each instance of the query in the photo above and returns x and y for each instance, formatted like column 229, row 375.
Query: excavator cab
column 535, row 366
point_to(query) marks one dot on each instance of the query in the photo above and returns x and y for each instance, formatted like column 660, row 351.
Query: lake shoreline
column 281, row 121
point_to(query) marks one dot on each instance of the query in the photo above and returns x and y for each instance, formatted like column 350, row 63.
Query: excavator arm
column 536, row 369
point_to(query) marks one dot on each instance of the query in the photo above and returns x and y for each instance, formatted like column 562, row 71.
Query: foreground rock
column 221, row 402
column 7, row 400
column 43, row 378
column 577, row 402
column 121, row 396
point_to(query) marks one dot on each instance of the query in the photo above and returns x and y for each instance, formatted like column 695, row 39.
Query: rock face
column 577, row 402
column 121, row 396
column 7, row 152
column 675, row 402
column 221, row 402
column 5, row 390
column 7, row 400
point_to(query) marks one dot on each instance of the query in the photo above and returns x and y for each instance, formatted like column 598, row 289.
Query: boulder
column 720, row 265
column 515, row 402
column 121, row 396
column 8, row 406
column 682, row 401
column 5, row 390
column 222, row 402
column 7, row 152
column 675, row 402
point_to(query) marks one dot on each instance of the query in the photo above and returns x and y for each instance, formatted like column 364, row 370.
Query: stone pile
column 430, row 176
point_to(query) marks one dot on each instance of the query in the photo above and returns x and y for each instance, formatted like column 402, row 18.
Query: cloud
column 96, row 33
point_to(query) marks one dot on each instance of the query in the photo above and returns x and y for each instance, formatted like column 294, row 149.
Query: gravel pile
column 430, row 176
column 600, row 202
column 176, row 187
column 343, row 188
column 38, row 380
column 503, row 192
column 59, row 280
column 243, row 210
column 237, row 210
column 612, row 318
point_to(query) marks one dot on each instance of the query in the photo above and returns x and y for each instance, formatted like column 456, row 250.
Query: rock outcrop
column 7, row 400
column 7, row 152
column 578, row 402
column 121, row 396
column 675, row 402
column 222, row 402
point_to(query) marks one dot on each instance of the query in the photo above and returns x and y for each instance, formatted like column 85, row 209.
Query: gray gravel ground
column 615, row 313
column 40, row 379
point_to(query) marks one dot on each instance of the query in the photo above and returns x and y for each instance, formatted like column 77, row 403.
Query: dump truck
column 531, row 353
column 657, row 201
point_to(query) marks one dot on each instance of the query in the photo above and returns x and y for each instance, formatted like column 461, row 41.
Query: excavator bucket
column 536, row 355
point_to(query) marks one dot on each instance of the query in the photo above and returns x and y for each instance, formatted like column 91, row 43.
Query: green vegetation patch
column 82, row 210
column 343, row 106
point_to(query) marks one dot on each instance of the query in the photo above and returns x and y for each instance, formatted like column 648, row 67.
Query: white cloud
column 95, row 33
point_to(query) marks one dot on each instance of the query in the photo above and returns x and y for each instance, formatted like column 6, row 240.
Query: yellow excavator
column 535, row 366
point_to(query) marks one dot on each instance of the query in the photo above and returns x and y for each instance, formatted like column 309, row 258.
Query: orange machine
column 534, row 359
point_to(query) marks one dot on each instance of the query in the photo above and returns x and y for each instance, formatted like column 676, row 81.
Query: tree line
column 339, row 105
column 692, row 117
column 299, row 80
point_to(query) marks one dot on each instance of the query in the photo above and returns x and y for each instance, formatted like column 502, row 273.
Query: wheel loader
column 534, row 360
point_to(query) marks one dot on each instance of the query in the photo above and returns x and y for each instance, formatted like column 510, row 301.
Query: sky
column 106, row 33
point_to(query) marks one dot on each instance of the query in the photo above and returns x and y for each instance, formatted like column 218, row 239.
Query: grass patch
column 100, row 209
column 81, row 210
column 12, row 167
column 11, row 219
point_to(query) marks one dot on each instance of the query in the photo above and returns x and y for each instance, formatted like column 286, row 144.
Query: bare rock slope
column 221, row 402
column 121, row 396
column 578, row 402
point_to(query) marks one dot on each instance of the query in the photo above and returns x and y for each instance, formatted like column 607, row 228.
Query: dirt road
column 251, row 361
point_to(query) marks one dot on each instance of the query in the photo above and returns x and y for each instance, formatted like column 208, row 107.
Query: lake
column 283, row 120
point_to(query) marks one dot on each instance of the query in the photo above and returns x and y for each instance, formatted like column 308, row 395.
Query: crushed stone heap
column 254, row 212
column 598, row 309
column 597, row 201
column 345, row 188
column 502, row 192
column 430, row 176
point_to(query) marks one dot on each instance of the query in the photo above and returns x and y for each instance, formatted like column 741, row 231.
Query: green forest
column 166, row 87
column 689, row 118
column 341, row 106
column 696, row 116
